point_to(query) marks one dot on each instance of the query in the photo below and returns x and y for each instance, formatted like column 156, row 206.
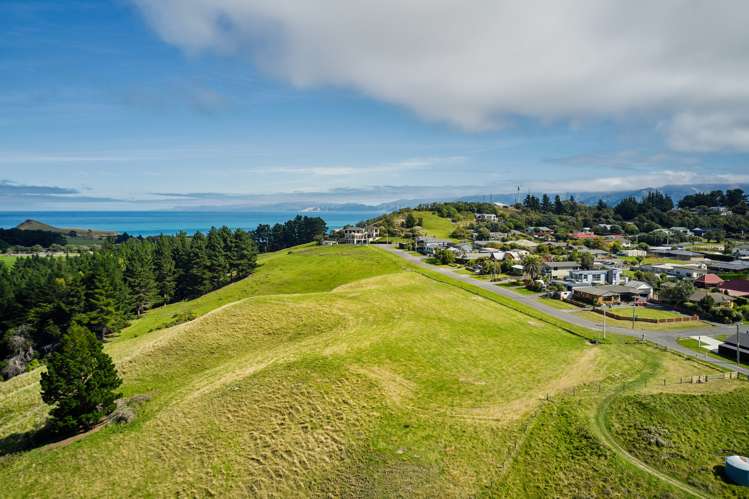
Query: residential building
column 486, row 217
column 596, row 277
column 676, row 254
column 735, row 287
column 643, row 289
column 707, row 281
column 735, row 342
column 719, row 299
column 681, row 230
column 634, row 253
column 609, row 294
column 734, row 266
column 559, row 270
column 359, row 235
column 688, row 270
column 428, row 245
column 514, row 255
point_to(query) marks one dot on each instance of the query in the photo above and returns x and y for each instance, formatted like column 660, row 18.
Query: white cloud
column 480, row 64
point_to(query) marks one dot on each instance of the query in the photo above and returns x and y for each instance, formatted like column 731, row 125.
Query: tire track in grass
column 601, row 429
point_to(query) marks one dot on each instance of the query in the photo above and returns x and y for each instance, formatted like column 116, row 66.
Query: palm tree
column 532, row 266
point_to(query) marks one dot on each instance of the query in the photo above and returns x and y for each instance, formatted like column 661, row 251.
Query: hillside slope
column 372, row 381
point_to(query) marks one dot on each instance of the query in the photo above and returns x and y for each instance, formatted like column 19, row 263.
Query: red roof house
column 735, row 287
column 708, row 281
column 583, row 235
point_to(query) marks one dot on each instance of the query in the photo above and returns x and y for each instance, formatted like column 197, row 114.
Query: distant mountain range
column 612, row 197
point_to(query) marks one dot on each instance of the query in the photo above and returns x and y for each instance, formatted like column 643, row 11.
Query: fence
column 616, row 316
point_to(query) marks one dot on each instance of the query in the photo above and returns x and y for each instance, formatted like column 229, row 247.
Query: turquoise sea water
column 148, row 223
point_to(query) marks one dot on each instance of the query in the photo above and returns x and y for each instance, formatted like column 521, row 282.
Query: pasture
column 343, row 371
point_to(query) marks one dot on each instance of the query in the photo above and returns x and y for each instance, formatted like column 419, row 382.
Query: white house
column 486, row 217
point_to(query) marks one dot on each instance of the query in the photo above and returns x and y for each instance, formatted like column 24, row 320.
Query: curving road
column 666, row 339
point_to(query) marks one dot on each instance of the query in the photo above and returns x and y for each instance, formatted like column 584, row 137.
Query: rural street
column 667, row 339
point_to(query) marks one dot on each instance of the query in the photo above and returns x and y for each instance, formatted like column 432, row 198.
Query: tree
column 165, row 269
column 586, row 261
column 101, row 311
column 244, row 254
column 218, row 266
column 410, row 221
column 80, row 382
column 139, row 275
column 558, row 205
column 197, row 275
column 532, row 266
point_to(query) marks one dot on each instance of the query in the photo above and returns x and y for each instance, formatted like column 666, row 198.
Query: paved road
column 665, row 339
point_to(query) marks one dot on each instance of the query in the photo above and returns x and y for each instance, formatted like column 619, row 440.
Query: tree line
column 42, row 297
column 18, row 237
column 299, row 230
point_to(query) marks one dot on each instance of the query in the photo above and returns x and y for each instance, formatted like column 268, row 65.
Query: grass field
column 598, row 319
column 7, row 260
column 436, row 226
column 345, row 372
column 647, row 312
column 687, row 436
column 561, row 305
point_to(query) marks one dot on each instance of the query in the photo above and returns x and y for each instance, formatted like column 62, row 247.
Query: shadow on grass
column 23, row 442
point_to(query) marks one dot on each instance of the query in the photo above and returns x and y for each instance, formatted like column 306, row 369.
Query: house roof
column 562, row 265
column 638, row 285
column 735, row 265
column 718, row 298
column 735, row 287
column 599, row 290
column 710, row 279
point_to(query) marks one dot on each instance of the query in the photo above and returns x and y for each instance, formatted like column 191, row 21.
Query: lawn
column 695, row 346
column 561, row 305
column 301, row 270
column 435, row 226
column 598, row 319
column 346, row 372
column 686, row 436
column 7, row 260
column 647, row 312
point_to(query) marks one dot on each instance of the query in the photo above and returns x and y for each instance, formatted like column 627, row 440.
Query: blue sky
column 162, row 103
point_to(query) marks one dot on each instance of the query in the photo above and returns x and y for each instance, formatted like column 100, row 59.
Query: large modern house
column 359, row 235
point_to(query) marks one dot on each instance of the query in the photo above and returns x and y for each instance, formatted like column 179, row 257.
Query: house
column 721, row 210
column 329, row 242
column 501, row 205
column 688, row 270
column 735, row 287
column 699, row 232
column 734, row 266
column 634, row 253
column 428, row 245
column 676, row 254
column 596, row 295
column 540, row 232
column 514, row 255
column 735, row 342
column 707, row 281
column 741, row 253
column 583, row 235
column 643, row 289
column 681, row 230
column 486, row 217
column 359, row 235
column 593, row 277
column 719, row 299
column 559, row 270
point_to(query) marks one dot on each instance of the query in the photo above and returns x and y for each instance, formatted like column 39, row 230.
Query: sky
column 159, row 104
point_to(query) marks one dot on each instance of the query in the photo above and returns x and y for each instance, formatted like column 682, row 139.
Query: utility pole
column 604, row 321
column 633, row 316
column 738, row 347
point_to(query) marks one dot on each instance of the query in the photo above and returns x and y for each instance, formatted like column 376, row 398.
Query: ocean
column 150, row 223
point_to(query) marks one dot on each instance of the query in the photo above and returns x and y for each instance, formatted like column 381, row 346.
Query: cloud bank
column 680, row 63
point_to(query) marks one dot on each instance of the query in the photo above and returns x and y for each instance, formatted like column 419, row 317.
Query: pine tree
column 197, row 275
column 244, row 256
column 139, row 275
column 218, row 266
column 102, row 315
column 166, row 272
column 80, row 382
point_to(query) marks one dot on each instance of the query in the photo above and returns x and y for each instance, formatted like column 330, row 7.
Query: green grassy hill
column 343, row 371
column 7, row 260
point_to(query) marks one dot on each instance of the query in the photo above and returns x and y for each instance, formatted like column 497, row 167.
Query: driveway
column 666, row 339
